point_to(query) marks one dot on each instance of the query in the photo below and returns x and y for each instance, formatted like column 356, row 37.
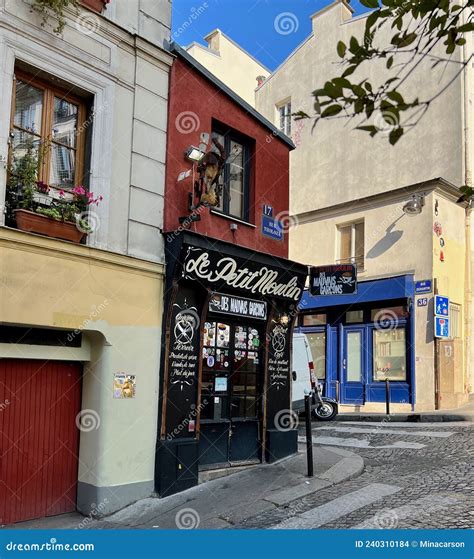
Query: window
column 353, row 317
column 351, row 244
column 49, row 122
column 284, row 116
column 314, row 319
column 317, row 344
column 234, row 182
column 389, row 315
column 389, row 355
column 455, row 315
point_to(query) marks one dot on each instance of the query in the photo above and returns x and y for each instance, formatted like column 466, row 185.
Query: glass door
column 353, row 366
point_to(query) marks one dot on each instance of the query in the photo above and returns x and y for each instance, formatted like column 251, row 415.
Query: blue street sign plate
column 423, row 286
column 441, row 306
column 441, row 327
column 272, row 228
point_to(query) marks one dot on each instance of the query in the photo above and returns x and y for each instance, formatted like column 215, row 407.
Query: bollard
column 309, row 438
column 387, row 396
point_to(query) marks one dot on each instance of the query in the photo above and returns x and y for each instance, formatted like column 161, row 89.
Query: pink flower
column 62, row 193
column 79, row 190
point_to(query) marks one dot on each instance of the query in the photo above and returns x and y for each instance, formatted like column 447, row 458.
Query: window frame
column 286, row 107
column 50, row 92
column 353, row 258
column 232, row 135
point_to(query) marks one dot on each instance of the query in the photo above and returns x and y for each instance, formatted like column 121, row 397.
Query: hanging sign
column 238, row 306
column 340, row 279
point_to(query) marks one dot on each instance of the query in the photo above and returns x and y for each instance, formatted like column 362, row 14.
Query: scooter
column 324, row 409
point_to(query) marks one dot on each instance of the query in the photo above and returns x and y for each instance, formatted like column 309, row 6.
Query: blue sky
column 252, row 24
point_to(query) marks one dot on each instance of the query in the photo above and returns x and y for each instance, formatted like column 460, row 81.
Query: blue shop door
column 353, row 365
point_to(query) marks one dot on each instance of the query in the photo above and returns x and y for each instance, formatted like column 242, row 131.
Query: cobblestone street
column 427, row 484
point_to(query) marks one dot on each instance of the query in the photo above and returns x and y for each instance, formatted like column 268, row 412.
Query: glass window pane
column 390, row 355
column 23, row 145
column 238, row 384
column 222, row 359
column 28, row 107
column 236, row 178
column 314, row 319
column 208, row 357
column 359, row 245
column 64, row 122
column 63, row 167
column 250, row 406
column 354, row 356
column 240, row 337
column 388, row 315
column 238, row 406
column 354, row 317
column 345, row 249
column 317, row 344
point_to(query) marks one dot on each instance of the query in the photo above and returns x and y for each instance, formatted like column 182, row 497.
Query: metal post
column 337, row 391
column 387, row 396
column 309, row 438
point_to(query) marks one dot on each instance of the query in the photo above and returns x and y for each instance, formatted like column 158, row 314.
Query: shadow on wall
column 387, row 241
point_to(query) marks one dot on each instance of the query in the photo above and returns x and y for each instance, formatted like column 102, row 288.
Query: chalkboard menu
column 183, row 363
column 278, row 395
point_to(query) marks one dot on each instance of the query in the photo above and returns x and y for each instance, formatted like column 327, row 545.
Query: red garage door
column 39, row 439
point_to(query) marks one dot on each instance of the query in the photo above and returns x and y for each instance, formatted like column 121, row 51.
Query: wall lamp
column 194, row 154
column 415, row 205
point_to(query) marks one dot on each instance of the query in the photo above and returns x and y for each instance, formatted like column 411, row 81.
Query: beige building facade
column 230, row 63
column 348, row 193
column 94, row 307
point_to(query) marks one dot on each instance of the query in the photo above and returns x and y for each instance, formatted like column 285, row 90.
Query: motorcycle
column 324, row 409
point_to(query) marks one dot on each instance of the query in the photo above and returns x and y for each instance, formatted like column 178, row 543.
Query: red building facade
column 231, row 295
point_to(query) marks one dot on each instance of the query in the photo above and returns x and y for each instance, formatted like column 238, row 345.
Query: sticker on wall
column 124, row 386
column 437, row 228
column 441, row 242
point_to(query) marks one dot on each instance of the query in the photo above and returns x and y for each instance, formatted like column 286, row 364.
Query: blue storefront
column 360, row 340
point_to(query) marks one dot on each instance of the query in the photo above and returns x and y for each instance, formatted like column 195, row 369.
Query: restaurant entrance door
column 231, row 389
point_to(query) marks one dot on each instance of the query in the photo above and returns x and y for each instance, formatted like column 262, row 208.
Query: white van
column 304, row 379
column 302, row 371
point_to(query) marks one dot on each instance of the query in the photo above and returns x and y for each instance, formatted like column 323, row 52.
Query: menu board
column 278, row 396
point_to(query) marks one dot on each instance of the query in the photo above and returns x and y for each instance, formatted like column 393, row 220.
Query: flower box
column 95, row 5
column 42, row 225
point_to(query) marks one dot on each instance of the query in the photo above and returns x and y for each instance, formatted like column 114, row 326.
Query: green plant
column 23, row 175
column 53, row 8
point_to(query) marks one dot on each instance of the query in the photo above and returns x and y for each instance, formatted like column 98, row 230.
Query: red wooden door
column 39, row 439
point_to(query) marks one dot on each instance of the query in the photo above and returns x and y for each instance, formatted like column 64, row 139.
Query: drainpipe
column 468, row 84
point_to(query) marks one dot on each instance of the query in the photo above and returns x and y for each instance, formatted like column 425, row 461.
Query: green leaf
column 466, row 27
column 341, row 49
column 389, row 62
column 349, row 70
column 354, row 45
column 359, row 90
column 371, row 129
column 331, row 110
column 370, row 3
column 395, row 135
column 396, row 96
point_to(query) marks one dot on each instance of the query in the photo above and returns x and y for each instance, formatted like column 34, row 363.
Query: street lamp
column 415, row 205
column 194, row 154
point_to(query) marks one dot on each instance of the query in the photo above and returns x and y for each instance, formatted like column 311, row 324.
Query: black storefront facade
column 225, row 375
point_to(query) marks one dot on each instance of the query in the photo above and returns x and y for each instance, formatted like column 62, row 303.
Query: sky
column 268, row 29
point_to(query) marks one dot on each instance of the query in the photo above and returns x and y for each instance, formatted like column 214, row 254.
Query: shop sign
column 238, row 306
column 340, row 279
column 246, row 275
column 423, row 286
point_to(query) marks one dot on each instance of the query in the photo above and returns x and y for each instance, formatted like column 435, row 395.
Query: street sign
column 441, row 306
column 441, row 327
column 422, row 302
column 272, row 228
column 423, row 286
column 340, row 279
